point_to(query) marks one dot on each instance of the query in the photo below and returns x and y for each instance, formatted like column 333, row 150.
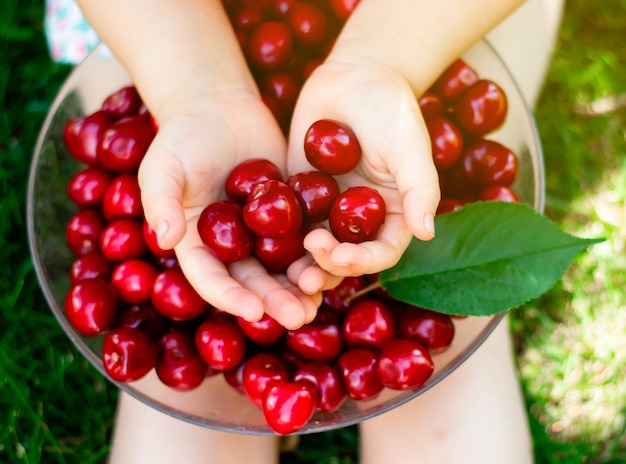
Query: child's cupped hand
column 200, row 139
column 381, row 108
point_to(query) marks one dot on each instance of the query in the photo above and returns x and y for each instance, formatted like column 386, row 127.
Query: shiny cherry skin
column 316, row 192
column 446, row 141
column 342, row 9
column 340, row 297
column 449, row 205
column 234, row 378
column 145, row 318
column 431, row 105
column 175, row 298
column 319, row 340
column 83, row 231
column 481, row 108
column 220, row 342
column 86, row 188
column 123, row 102
column 91, row 265
column 283, row 87
column 332, row 147
column 357, row 215
column 368, row 323
column 122, row 239
column 309, row 23
column 179, row 365
column 431, row 329
column 288, row 406
column 453, row 81
column 128, row 354
column 327, row 381
column 82, row 135
column 357, row 367
column 487, row 162
column 498, row 193
column 272, row 209
column 270, row 46
column 265, row 331
column 150, row 237
column 245, row 15
column 122, row 198
column 134, row 280
column 278, row 253
column 222, row 229
column 258, row 370
column 91, row 307
column 247, row 174
column 404, row 364
column 125, row 143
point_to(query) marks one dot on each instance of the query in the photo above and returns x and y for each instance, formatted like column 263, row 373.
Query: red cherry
column 244, row 16
column 174, row 297
column 83, row 231
column 222, row 229
column 145, row 318
column 234, row 378
column 277, row 253
column 269, row 46
column 357, row 367
column 92, row 265
column 487, row 162
column 433, row 330
column 245, row 175
column 288, row 406
column 319, row 340
column 327, row 381
column 404, row 364
column 284, row 88
column 150, row 237
column 82, row 135
column 179, row 365
column 133, row 280
column 357, row 215
column 258, row 370
column 498, row 193
column 446, row 141
column 91, row 306
column 88, row 186
column 431, row 105
column 122, row 239
column 332, row 147
column 457, row 77
column 481, row 108
column 448, row 205
column 455, row 184
column 343, row 8
column 220, row 342
column 123, row 102
column 340, row 297
column 128, row 354
column 368, row 323
column 316, row 192
column 272, row 209
column 123, row 198
column 125, row 143
column 265, row 331
column 309, row 24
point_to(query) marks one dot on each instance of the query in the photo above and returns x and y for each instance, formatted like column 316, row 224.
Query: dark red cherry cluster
column 268, row 217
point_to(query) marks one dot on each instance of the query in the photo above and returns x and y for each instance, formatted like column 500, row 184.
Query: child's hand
column 380, row 107
column 200, row 139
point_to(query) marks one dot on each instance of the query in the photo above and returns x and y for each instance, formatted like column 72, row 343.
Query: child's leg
column 475, row 415
column 147, row 436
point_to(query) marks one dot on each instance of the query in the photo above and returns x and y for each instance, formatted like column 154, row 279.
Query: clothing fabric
column 69, row 36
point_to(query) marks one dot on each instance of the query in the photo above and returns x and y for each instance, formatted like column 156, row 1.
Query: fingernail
column 161, row 231
column 429, row 224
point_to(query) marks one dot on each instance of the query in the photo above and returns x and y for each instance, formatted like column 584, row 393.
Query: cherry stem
column 363, row 291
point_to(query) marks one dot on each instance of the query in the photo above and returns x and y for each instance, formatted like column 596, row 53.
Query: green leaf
column 487, row 257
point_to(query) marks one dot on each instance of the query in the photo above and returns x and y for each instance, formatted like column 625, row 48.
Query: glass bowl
column 215, row 404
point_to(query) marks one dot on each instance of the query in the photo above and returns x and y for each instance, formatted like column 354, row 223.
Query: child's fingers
column 161, row 179
column 311, row 278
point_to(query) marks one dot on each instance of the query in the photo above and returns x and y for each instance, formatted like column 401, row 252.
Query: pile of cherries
column 128, row 290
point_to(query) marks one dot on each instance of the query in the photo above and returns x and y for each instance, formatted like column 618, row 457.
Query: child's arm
column 389, row 52
column 186, row 62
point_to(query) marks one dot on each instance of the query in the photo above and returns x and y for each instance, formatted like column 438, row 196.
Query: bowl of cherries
column 127, row 306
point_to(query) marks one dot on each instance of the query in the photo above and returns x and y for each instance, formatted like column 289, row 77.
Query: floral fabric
column 69, row 36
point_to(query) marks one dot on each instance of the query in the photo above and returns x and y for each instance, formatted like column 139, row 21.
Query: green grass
column 56, row 408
